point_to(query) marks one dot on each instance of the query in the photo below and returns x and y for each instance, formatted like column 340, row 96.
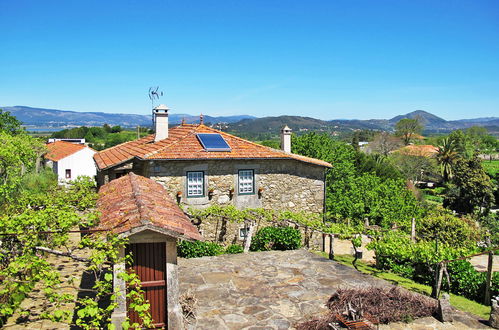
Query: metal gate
column 149, row 262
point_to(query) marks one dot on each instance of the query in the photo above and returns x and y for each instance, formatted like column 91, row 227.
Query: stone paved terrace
column 276, row 289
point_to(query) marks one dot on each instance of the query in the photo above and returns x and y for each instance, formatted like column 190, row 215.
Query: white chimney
column 286, row 139
column 160, row 114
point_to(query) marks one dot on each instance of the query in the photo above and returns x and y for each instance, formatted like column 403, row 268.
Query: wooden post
column 438, row 281
column 331, row 250
column 486, row 297
column 413, row 230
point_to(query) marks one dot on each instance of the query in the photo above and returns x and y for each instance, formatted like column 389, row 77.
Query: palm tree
column 446, row 157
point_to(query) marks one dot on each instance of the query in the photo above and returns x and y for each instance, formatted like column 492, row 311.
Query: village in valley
column 173, row 213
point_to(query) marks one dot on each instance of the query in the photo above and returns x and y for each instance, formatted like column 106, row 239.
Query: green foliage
column 100, row 137
column 353, row 193
column 276, row 144
column 198, row 249
column 18, row 155
column 396, row 252
column 276, row 238
column 234, row 249
column 407, row 128
column 9, row 124
column 454, row 231
column 471, row 189
column 39, row 183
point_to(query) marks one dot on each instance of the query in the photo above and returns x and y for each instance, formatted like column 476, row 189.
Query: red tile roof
column 419, row 150
column 61, row 149
column 182, row 144
column 134, row 202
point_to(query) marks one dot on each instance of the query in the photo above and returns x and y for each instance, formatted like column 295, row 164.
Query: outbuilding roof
column 62, row 149
column 132, row 203
column 182, row 144
column 425, row 150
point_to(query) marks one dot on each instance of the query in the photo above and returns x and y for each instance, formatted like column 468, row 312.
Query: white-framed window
column 243, row 232
column 246, row 182
column 68, row 174
column 195, row 184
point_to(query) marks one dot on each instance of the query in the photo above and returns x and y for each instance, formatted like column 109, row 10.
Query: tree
column 470, row 190
column 446, row 157
column 462, row 143
column 116, row 129
column 9, row 124
column 407, row 128
column 384, row 143
column 414, row 167
column 353, row 194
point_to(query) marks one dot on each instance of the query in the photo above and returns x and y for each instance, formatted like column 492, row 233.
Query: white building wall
column 80, row 163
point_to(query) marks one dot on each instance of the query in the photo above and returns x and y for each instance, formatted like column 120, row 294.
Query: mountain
column 53, row 119
column 39, row 117
column 426, row 118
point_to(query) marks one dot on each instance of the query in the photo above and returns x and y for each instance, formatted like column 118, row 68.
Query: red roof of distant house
column 135, row 202
column 419, row 150
column 61, row 149
column 182, row 144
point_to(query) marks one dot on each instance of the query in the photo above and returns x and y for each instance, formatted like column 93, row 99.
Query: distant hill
column 39, row 117
column 426, row 118
column 243, row 125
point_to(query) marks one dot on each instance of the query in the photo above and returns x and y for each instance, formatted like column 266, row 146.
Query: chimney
column 160, row 114
column 286, row 139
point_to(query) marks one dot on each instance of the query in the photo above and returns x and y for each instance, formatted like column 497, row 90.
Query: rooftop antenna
column 154, row 94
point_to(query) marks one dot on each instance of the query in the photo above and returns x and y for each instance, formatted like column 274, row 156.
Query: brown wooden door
column 149, row 262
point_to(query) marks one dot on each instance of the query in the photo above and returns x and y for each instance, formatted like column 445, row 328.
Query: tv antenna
column 154, row 94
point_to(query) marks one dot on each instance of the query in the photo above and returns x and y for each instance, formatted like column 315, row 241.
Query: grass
column 458, row 302
column 491, row 167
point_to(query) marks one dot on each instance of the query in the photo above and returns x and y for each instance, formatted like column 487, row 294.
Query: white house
column 70, row 160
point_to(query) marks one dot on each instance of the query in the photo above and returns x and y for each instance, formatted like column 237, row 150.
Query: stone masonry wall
column 284, row 184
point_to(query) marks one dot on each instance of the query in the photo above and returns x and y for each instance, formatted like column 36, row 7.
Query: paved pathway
column 275, row 290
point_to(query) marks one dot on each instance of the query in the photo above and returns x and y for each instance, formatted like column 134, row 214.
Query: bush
column 276, row 238
column 198, row 249
column 234, row 248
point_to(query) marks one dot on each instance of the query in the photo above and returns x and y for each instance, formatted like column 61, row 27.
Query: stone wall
column 279, row 184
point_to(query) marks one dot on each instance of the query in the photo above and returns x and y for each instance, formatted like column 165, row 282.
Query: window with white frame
column 195, row 184
column 246, row 182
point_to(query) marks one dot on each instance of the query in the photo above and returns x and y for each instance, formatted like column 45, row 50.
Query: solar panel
column 213, row 142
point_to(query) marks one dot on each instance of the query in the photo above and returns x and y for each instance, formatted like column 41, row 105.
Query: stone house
column 70, row 160
column 201, row 166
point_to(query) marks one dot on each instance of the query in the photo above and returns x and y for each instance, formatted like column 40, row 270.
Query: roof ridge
column 137, row 193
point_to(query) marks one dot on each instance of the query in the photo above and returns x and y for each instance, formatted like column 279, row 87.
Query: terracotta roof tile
column 61, row 149
column 133, row 201
column 419, row 150
column 182, row 143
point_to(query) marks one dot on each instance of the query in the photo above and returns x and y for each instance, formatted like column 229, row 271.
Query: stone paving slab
column 275, row 290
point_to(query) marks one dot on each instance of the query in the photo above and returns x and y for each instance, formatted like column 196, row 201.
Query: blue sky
column 324, row 59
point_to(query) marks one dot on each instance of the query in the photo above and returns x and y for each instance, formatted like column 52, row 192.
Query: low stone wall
column 226, row 233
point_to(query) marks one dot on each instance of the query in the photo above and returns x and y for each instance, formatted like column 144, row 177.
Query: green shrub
column 198, row 249
column 276, row 238
column 234, row 248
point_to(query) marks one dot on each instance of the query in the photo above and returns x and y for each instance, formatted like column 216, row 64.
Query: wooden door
column 149, row 262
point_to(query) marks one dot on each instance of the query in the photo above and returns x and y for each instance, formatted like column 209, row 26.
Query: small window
column 243, row 232
column 68, row 174
column 246, row 182
column 195, row 184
